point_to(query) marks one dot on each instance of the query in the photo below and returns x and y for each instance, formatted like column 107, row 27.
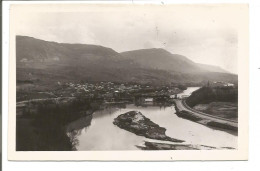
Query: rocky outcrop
column 137, row 123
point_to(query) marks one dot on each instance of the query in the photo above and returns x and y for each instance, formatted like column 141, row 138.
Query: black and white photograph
column 129, row 77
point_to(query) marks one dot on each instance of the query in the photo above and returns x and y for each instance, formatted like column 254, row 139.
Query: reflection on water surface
column 97, row 131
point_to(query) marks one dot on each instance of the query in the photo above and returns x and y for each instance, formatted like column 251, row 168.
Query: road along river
column 97, row 132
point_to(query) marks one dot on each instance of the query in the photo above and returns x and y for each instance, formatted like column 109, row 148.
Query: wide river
column 97, row 132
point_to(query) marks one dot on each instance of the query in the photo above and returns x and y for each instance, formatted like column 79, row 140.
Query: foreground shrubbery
column 43, row 129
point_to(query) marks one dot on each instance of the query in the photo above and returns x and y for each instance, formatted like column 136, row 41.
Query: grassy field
column 227, row 110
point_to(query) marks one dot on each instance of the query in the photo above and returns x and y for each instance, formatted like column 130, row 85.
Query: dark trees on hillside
column 210, row 94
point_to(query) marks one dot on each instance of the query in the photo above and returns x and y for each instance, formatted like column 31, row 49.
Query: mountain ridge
column 51, row 61
column 144, row 55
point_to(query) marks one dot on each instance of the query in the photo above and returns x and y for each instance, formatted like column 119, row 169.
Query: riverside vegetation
column 218, row 101
column 89, row 75
column 218, row 97
column 42, row 126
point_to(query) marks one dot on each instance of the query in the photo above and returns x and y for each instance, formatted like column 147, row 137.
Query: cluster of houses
column 108, row 90
column 220, row 84
column 101, row 89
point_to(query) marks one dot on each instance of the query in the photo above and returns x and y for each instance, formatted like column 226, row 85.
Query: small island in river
column 137, row 123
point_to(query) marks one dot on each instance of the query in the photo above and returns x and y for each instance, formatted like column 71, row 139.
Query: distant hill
column 179, row 66
column 164, row 60
column 211, row 68
column 41, row 53
column 48, row 62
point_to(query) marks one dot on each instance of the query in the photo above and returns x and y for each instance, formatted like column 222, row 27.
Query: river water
column 97, row 132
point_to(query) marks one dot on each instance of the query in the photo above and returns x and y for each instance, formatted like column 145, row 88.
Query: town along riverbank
column 97, row 132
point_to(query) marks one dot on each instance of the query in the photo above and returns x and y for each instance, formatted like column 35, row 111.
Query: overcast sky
column 203, row 34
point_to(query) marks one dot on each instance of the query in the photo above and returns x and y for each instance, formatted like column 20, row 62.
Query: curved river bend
column 97, row 132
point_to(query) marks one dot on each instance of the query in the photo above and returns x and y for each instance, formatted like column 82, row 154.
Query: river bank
column 42, row 126
column 94, row 130
column 207, row 120
column 166, row 146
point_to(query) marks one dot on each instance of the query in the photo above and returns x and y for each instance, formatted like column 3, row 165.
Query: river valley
column 97, row 131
